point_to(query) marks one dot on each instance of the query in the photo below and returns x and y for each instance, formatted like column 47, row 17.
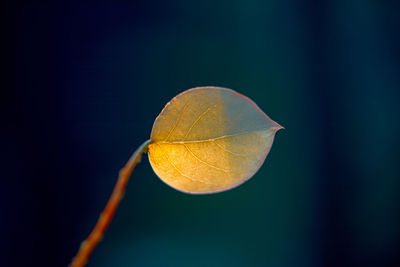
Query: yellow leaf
column 210, row 139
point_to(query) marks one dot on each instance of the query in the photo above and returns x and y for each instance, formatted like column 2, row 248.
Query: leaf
column 210, row 139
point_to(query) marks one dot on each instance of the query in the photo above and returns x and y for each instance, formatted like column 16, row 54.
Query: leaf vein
column 198, row 119
column 177, row 121
column 202, row 161
column 180, row 172
column 233, row 153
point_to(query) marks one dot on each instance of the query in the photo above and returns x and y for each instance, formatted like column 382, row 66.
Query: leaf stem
column 106, row 216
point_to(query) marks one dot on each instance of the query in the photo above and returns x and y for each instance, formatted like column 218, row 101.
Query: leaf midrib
column 206, row 140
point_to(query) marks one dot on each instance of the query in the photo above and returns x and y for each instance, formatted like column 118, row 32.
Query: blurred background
column 83, row 83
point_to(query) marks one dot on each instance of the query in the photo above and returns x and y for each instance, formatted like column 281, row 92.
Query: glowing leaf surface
column 210, row 139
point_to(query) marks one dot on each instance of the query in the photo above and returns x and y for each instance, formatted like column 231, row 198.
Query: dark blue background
column 84, row 82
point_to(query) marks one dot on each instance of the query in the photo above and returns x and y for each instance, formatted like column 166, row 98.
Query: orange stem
column 106, row 216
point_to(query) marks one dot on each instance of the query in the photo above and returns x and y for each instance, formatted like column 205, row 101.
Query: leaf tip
column 276, row 127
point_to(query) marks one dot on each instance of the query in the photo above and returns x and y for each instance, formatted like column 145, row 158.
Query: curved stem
column 106, row 216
